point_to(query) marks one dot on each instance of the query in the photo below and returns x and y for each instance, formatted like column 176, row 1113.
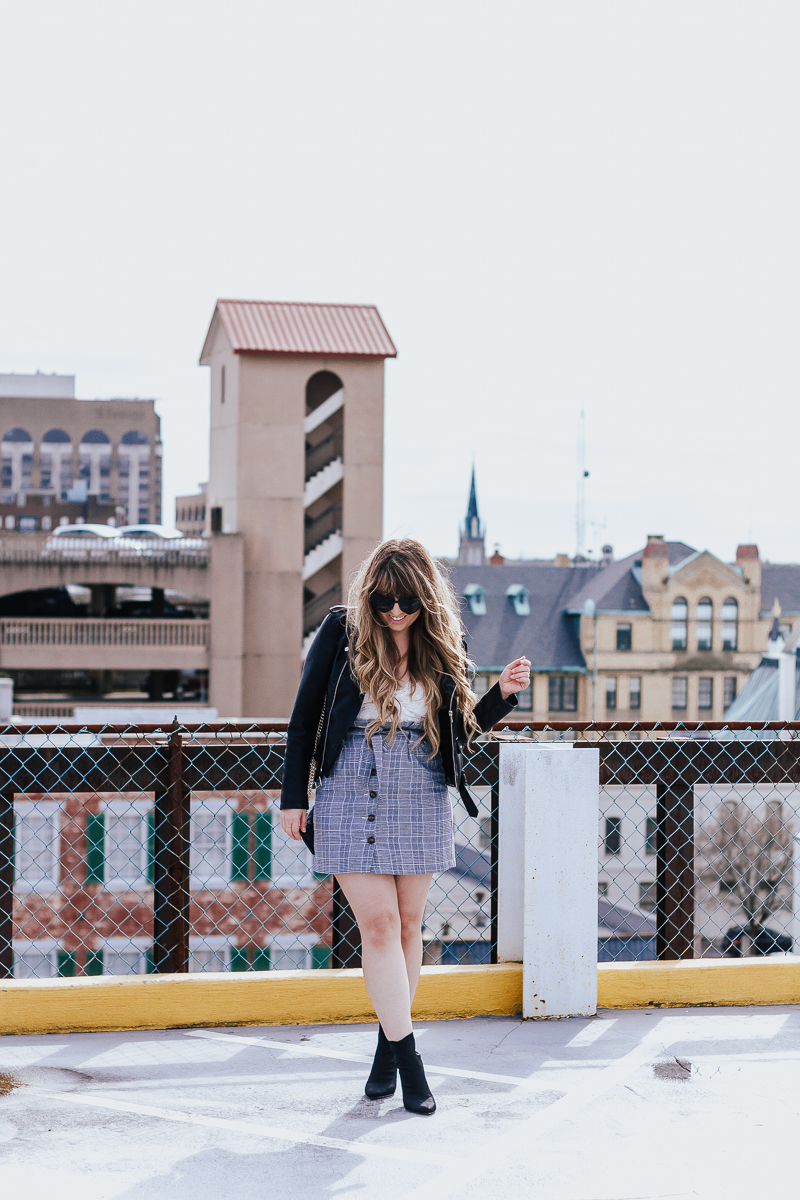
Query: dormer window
column 476, row 598
column 519, row 597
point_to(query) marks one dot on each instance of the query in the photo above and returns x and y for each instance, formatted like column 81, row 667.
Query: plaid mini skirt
column 384, row 810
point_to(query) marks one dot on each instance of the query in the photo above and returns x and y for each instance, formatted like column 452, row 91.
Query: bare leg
column 374, row 901
column 412, row 892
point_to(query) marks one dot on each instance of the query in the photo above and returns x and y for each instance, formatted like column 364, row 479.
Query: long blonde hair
column 402, row 569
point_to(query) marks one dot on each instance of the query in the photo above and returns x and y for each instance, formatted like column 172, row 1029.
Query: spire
column 472, row 525
column 472, row 550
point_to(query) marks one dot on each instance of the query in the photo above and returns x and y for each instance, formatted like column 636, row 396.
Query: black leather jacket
column 327, row 672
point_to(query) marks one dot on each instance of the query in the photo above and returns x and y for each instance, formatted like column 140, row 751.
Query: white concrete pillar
column 6, row 699
column 547, row 874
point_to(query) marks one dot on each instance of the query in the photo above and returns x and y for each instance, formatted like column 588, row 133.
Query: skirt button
column 370, row 840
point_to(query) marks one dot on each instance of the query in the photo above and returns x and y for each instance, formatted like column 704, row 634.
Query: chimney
column 655, row 563
column 749, row 564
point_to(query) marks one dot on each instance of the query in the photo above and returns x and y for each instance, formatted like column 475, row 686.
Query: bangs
column 395, row 579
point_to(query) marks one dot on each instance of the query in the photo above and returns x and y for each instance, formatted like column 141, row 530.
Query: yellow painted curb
column 250, row 998
column 697, row 982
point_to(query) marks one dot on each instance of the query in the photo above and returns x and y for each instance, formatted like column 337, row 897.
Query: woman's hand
column 515, row 677
column 293, row 820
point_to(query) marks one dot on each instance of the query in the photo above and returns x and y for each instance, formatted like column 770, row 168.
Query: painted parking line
column 346, row 1056
column 277, row 1133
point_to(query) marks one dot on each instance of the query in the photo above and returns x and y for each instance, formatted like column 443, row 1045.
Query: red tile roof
column 273, row 327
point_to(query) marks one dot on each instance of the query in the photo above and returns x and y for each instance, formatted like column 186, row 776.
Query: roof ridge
column 300, row 303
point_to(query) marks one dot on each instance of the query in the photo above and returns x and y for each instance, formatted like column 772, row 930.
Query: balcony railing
column 90, row 631
column 188, row 552
column 327, row 451
column 315, row 612
column 318, row 528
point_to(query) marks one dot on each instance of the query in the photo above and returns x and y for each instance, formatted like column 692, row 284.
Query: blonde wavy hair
column 403, row 569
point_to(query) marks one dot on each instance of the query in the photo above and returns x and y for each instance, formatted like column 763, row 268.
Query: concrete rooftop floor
column 598, row 1109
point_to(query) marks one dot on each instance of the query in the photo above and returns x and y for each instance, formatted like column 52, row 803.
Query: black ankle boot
column 383, row 1076
column 417, row 1096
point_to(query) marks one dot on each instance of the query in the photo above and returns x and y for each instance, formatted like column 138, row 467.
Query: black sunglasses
column 385, row 604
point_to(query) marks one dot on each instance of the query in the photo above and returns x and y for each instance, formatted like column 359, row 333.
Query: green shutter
column 239, row 958
column 94, row 962
column 14, row 836
column 320, row 956
column 148, row 961
column 261, row 958
column 151, row 847
column 95, row 847
column 240, row 850
column 67, row 963
column 264, row 848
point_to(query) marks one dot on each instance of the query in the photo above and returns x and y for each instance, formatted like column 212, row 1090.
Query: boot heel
column 417, row 1096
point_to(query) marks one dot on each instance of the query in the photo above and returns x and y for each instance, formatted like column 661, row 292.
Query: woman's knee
column 380, row 928
column 410, row 928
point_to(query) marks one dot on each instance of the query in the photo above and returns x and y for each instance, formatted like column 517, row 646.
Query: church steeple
column 472, row 549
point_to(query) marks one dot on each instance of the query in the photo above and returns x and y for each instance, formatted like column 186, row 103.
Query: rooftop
column 279, row 327
column 675, row 1104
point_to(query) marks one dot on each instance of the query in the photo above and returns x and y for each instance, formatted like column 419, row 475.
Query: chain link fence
column 128, row 850
column 137, row 849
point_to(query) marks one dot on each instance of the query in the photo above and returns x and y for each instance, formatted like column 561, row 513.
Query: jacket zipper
column 330, row 714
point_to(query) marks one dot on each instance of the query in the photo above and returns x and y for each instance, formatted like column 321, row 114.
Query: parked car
column 84, row 531
column 148, row 531
column 41, row 602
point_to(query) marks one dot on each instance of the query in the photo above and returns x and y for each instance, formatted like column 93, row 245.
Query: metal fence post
column 6, row 883
column 675, row 877
column 171, row 866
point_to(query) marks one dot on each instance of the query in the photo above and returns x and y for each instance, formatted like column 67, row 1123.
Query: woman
column 385, row 709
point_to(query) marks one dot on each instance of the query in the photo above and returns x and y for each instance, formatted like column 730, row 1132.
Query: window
column 728, row 691
column 117, row 849
column 294, row 951
column 36, row 837
column 525, row 699
column 730, row 624
column 705, row 615
column 563, row 693
column 650, row 833
column 519, row 597
column 624, row 637
column 476, row 598
column 35, row 960
column 611, row 692
column 679, row 614
column 28, row 524
column 679, row 691
column 480, row 685
column 292, row 865
column 613, row 838
column 705, row 692
column 120, row 956
column 635, row 692
column 210, row 953
column 647, row 895
column 211, row 843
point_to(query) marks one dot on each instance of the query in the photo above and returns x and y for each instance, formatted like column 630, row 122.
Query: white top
column 409, row 698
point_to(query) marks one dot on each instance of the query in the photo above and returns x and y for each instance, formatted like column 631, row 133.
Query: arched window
column 705, row 622
column 679, row 614
column 321, row 387
column 134, row 476
column 95, row 464
column 16, row 469
column 55, row 462
column 730, row 624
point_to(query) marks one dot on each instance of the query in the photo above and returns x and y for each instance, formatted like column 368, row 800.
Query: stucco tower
column 295, row 487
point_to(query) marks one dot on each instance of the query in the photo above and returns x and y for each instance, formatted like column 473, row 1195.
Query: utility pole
column 583, row 475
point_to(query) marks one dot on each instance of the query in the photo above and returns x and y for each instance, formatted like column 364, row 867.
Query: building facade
column 668, row 633
column 190, row 514
column 57, row 449
column 295, row 495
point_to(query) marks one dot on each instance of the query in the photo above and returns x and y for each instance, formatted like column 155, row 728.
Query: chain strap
column 314, row 767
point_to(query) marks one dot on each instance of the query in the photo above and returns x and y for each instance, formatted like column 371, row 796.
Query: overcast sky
column 554, row 206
